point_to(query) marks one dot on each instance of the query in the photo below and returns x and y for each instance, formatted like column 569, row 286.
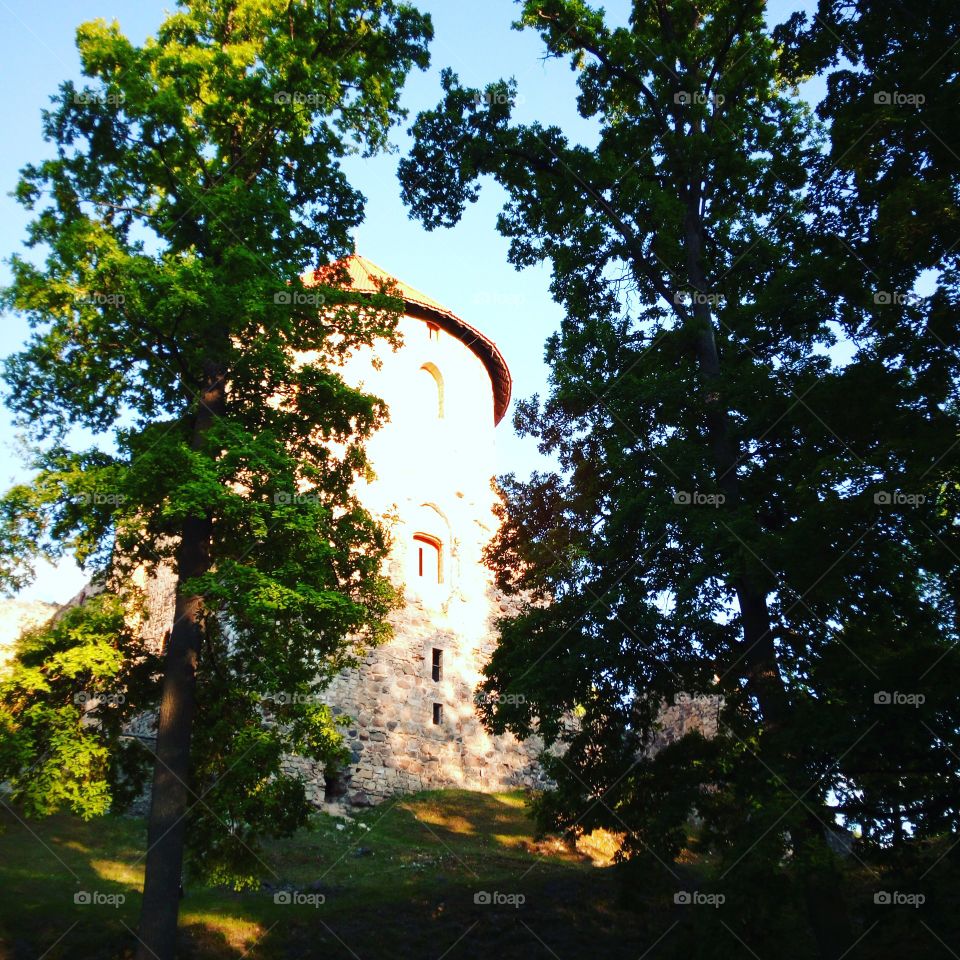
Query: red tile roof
column 367, row 277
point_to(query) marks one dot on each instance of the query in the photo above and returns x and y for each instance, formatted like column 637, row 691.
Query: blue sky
column 465, row 268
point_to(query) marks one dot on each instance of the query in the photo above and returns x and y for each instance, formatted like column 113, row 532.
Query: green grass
column 399, row 881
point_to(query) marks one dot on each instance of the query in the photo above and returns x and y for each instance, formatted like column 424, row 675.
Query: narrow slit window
column 438, row 713
column 437, row 670
column 428, row 558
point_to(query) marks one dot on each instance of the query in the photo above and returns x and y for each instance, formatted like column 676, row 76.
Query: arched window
column 427, row 559
column 431, row 390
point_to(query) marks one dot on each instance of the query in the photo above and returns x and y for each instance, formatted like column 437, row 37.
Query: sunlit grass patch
column 117, row 871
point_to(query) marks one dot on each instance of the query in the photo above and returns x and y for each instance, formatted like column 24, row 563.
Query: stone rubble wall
column 686, row 715
column 17, row 616
column 395, row 746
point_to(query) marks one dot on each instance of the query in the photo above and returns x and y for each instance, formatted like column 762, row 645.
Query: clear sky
column 465, row 268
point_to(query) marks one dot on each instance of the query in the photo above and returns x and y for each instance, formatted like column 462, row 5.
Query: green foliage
column 193, row 179
column 755, row 448
column 73, row 684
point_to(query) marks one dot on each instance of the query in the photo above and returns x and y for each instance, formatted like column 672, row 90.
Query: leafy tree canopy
column 193, row 178
column 756, row 437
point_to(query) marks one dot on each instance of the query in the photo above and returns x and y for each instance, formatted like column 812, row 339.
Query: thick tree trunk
column 171, row 795
column 826, row 909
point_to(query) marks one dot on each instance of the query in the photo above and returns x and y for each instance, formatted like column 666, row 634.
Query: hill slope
column 447, row 873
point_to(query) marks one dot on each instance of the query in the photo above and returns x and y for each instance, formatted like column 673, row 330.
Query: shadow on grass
column 449, row 875
column 418, row 876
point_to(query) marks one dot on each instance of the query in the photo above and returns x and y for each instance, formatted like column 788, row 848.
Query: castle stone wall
column 17, row 616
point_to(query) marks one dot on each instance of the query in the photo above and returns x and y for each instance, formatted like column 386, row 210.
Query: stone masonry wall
column 17, row 616
column 395, row 745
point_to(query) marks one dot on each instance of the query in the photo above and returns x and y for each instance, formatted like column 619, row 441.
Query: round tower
column 413, row 700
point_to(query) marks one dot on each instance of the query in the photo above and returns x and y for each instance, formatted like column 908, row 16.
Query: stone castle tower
column 413, row 700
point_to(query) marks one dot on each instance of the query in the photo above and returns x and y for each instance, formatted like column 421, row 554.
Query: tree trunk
column 826, row 908
column 170, row 800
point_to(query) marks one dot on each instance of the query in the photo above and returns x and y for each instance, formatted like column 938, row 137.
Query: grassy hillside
column 408, row 879
column 401, row 880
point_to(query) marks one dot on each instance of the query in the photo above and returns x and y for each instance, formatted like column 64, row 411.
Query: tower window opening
column 429, row 558
column 437, row 670
column 438, row 713
column 431, row 385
